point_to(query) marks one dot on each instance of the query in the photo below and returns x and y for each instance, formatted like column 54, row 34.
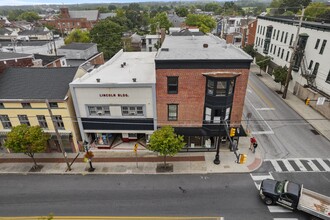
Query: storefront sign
column 113, row 95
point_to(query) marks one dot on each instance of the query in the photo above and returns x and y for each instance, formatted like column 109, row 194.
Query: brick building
column 200, row 85
column 251, row 32
column 8, row 59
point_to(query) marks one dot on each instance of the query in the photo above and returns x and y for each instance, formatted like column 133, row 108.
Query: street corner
column 256, row 162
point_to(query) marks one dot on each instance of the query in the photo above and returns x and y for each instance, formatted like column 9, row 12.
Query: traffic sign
column 320, row 100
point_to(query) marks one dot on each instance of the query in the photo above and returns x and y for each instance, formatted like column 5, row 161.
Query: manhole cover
column 315, row 132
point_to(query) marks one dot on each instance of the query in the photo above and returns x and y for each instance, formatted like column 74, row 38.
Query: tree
column 78, row 36
column 315, row 11
column 29, row 16
column 27, row 140
column 112, row 7
column 160, row 21
column 280, row 74
column 166, row 142
column 293, row 5
column 103, row 9
column 107, row 34
column 205, row 23
column 212, row 6
column 182, row 11
column 262, row 61
column 249, row 49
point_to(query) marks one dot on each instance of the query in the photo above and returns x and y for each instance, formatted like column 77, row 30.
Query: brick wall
column 252, row 27
column 22, row 62
column 191, row 94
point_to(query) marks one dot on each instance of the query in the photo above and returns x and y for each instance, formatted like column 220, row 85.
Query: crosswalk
column 300, row 165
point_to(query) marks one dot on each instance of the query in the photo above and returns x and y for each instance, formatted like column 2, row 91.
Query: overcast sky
column 38, row 2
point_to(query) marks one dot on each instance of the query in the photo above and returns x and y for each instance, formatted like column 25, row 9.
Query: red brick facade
column 252, row 27
column 19, row 62
column 191, row 95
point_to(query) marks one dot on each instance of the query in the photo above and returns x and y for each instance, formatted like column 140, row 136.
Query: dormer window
column 26, row 105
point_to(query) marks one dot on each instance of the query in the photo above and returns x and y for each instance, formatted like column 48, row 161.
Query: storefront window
column 221, row 88
column 199, row 141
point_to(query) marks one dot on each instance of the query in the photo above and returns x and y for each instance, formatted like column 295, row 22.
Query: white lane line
column 262, row 132
column 265, row 109
column 323, row 164
column 285, row 219
column 258, row 178
column 300, row 165
column 275, row 208
column 312, row 165
column 276, row 166
column 288, row 165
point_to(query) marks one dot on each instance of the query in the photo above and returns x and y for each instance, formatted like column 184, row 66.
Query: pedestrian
column 253, row 141
column 255, row 145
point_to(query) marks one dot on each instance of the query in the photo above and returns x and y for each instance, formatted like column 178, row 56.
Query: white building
column 275, row 38
column 117, row 101
column 151, row 41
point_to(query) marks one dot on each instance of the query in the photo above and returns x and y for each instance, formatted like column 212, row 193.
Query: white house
column 151, row 41
column 117, row 101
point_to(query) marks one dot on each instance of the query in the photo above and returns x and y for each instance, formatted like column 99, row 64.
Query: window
column 271, row 48
column 23, row 119
column 258, row 29
column 328, row 78
column 317, row 43
column 262, row 42
column 172, row 85
column 53, row 104
column 257, row 40
column 172, row 112
column 323, row 46
column 286, row 37
column 217, row 116
column 274, row 49
column 287, row 56
column 282, row 53
column 278, row 52
column 5, row 121
column 99, row 110
column 59, row 122
column 132, row 111
column 263, row 31
column 310, row 64
column 207, row 115
column 282, row 36
column 316, row 69
column 231, row 87
column 210, row 87
column 149, row 41
column 291, row 40
column 278, row 33
column 26, row 105
column 42, row 121
column 274, row 33
column 1, row 105
column 221, row 88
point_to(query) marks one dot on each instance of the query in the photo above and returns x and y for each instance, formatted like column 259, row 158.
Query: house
column 176, row 20
column 132, row 42
column 37, row 33
column 152, row 42
column 50, row 61
column 251, row 32
column 116, row 102
column 23, row 96
column 275, row 38
column 200, row 86
column 9, row 59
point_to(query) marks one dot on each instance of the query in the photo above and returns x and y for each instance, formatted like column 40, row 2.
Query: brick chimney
column 64, row 13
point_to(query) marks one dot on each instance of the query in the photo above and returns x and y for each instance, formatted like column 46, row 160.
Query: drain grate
column 315, row 132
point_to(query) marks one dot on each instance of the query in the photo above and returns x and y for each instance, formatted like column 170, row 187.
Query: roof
column 139, row 65
column 46, row 59
column 192, row 48
column 24, row 43
column 186, row 32
column 10, row 55
column 35, row 31
column 106, row 15
column 36, row 83
column 77, row 46
column 90, row 15
column 4, row 31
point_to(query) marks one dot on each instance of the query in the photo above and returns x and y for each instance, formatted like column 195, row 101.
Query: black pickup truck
column 294, row 196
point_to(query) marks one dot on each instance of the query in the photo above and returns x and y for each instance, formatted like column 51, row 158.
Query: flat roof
column 192, row 48
column 139, row 65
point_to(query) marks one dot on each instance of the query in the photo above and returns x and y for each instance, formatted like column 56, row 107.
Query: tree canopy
column 280, row 74
column 160, row 21
column 29, row 16
column 182, row 11
column 107, row 34
column 27, row 140
column 317, row 11
column 78, row 36
column 205, row 23
column 166, row 142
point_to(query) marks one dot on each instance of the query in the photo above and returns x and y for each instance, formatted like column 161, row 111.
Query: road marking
column 312, row 165
column 276, row 208
column 300, row 165
column 323, row 164
column 285, row 219
column 265, row 109
column 288, row 165
column 276, row 166
column 258, row 178
column 108, row 218
column 262, row 132
column 260, row 94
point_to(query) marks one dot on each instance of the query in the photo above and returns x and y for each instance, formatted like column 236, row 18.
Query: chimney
column 64, row 13
column 122, row 65
column 205, row 45
column 98, row 80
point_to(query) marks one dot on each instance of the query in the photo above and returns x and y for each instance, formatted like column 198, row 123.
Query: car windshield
column 279, row 187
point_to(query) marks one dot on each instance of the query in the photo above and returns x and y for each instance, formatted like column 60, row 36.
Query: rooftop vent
column 205, row 45
column 134, row 79
column 98, row 80
column 165, row 49
column 122, row 65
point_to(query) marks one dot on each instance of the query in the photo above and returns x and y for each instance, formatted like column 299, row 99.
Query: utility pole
column 295, row 46
column 59, row 139
column 54, row 44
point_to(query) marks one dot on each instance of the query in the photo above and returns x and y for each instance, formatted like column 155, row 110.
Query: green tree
column 212, row 6
column 160, row 21
column 103, row 9
column 107, row 34
column 166, row 142
column 182, row 11
column 249, row 49
column 112, row 7
column 205, row 23
column 27, row 140
column 315, row 11
column 293, row 5
column 275, row 3
column 14, row 14
column 262, row 61
column 280, row 74
column 29, row 16
column 78, row 36
column 231, row 9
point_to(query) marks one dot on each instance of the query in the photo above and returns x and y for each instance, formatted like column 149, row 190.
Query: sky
column 38, row 2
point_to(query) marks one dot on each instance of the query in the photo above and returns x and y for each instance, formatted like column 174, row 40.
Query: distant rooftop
column 46, row 59
column 206, row 47
column 78, row 46
column 10, row 55
column 139, row 65
column 90, row 15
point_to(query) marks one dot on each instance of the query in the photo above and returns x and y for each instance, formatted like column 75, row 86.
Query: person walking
column 253, row 144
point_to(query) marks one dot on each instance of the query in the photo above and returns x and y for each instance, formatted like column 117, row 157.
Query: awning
column 222, row 74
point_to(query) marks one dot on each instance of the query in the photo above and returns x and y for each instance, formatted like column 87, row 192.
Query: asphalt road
column 280, row 131
column 232, row 196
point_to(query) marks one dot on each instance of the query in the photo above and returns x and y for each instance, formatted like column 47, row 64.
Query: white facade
column 151, row 41
column 280, row 48
column 117, row 98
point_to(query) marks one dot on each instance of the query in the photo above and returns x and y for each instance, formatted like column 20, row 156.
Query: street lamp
column 89, row 155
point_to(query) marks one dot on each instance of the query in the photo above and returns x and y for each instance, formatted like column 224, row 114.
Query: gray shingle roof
column 9, row 55
column 46, row 59
column 36, row 83
column 90, row 15
column 77, row 46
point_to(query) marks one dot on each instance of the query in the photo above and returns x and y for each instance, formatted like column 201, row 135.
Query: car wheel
column 268, row 201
